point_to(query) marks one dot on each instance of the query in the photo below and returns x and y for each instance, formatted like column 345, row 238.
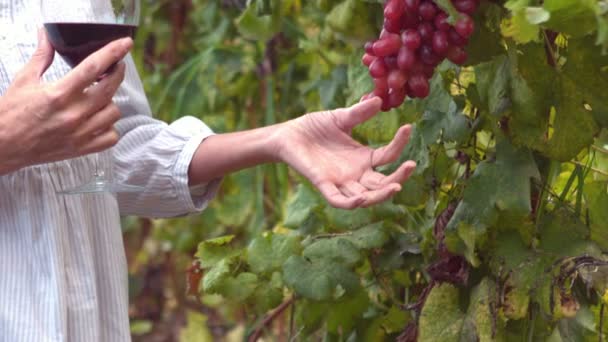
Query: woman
column 62, row 264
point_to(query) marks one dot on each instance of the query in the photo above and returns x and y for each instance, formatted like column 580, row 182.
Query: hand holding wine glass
column 76, row 30
column 66, row 119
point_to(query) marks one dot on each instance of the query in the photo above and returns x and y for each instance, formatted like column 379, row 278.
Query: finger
column 100, row 142
column 99, row 122
column 402, row 174
column 377, row 196
column 40, row 61
column 352, row 188
column 373, row 180
column 337, row 199
column 99, row 95
column 350, row 117
column 391, row 152
column 94, row 66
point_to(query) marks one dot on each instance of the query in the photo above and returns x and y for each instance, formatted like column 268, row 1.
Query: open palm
column 320, row 147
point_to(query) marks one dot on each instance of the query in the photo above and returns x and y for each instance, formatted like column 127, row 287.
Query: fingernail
column 126, row 43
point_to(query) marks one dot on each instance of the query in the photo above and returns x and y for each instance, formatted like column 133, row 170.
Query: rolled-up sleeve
column 157, row 156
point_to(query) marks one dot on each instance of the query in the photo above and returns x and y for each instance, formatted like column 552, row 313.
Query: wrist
column 275, row 143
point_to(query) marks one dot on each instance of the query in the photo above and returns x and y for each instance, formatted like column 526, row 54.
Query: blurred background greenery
column 214, row 60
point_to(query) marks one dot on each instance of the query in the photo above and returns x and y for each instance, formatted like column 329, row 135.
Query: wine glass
column 78, row 28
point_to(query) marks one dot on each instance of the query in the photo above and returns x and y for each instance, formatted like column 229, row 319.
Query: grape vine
column 500, row 234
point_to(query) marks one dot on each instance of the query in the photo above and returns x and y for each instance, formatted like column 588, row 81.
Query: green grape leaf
column 267, row 253
column 344, row 315
column 416, row 150
column 270, row 295
column 319, row 279
column 492, row 82
column 520, row 29
column 573, row 17
column 564, row 235
column 239, row 288
column 372, row 236
column 340, row 219
column 496, row 188
column 301, row 206
column 480, row 316
column 586, row 73
column 256, row 27
column 441, row 318
column 214, row 278
column 452, row 125
column 338, row 250
column 395, row 319
column 597, row 201
column 212, row 251
column 582, row 327
column 486, row 41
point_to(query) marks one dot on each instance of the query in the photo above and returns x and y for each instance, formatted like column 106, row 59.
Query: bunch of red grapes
column 416, row 37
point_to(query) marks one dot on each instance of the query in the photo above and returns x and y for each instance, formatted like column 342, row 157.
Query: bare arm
column 318, row 146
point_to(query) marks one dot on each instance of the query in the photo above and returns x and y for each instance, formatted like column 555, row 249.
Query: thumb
column 359, row 113
column 40, row 61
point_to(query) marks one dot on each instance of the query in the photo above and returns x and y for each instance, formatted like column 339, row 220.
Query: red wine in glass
column 76, row 41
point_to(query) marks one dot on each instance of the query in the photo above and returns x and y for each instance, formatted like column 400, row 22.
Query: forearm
column 222, row 154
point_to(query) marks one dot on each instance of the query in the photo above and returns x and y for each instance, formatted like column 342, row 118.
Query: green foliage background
column 512, row 176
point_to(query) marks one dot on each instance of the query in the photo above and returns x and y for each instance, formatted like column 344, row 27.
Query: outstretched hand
column 320, row 147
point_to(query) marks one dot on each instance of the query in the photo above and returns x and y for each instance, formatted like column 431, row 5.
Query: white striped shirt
column 63, row 273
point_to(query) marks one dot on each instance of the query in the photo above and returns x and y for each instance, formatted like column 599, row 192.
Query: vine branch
column 269, row 319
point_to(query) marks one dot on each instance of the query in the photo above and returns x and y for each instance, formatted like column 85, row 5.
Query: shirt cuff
column 194, row 198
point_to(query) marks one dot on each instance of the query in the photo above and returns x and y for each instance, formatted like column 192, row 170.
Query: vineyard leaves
column 497, row 189
column 499, row 139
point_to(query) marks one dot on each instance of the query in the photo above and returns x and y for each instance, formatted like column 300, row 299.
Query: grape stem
column 269, row 319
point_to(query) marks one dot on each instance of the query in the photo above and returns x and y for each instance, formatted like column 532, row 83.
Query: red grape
column 367, row 59
column 440, row 43
column 384, row 96
column 427, row 56
column 393, row 26
column 411, row 39
column 396, row 79
column 457, row 55
column 412, row 5
column 416, row 36
column 378, row 68
column 465, row 6
column 391, row 62
column 427, row 10
column 456, row 39
column 410, row 21
column 428, row 70
column 425, row 30
column 465, row 26
column 441, row 22
column 388, row 45
column 394, row 9
column 419, row 86
column 396, row 97
column 369, row 48
column 381, row 84
column 406, row 59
